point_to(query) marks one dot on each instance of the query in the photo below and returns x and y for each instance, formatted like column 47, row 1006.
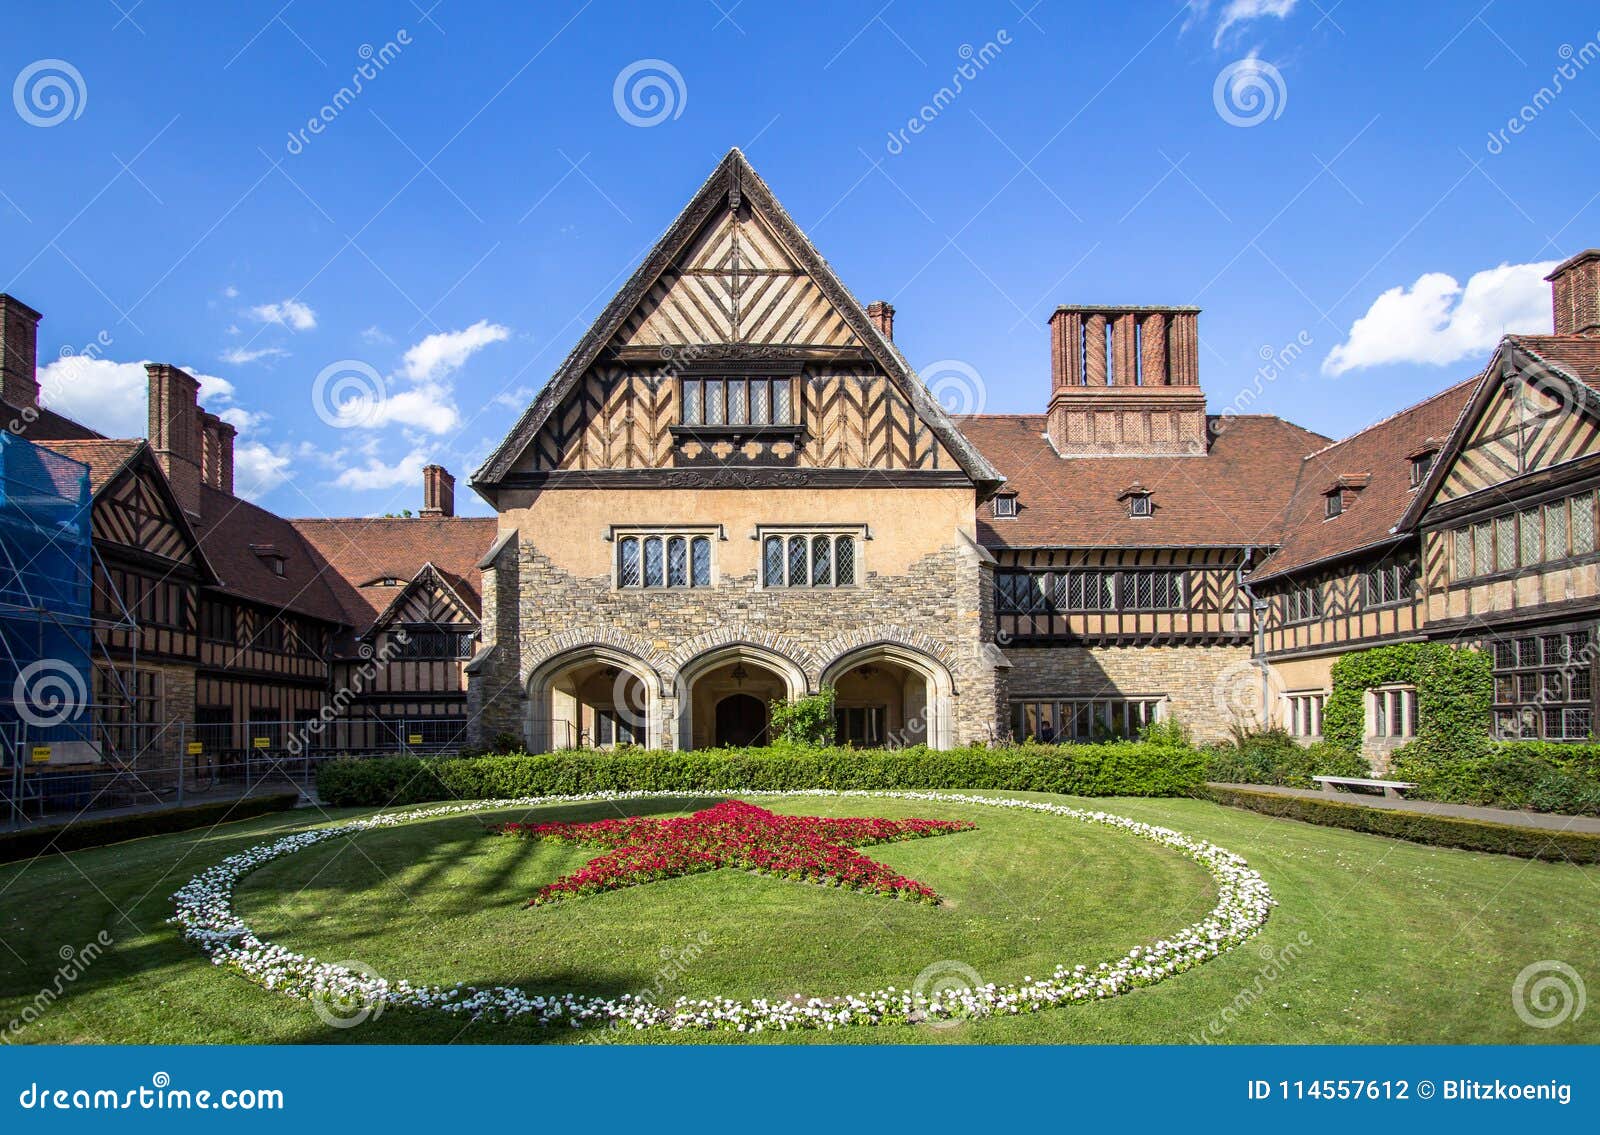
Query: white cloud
column 258, row 469
column 441, row 354
column 1237, row 12
column 240, row 356
column 112, row 397
column 231, row 292
column 377, row 475
column 1437, row 321
column 376, row 334
column 430, row 407
column 289, row 313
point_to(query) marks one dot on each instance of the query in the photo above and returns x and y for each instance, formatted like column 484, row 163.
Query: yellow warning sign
column 196, row 748
column 41, row 753
column 261, row 742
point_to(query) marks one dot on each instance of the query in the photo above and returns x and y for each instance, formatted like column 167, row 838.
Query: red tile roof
column 1382, row 453
column 105, row 457
column 1235, row 495
column 360, row 550
column 1578, row 355
column 229, row 526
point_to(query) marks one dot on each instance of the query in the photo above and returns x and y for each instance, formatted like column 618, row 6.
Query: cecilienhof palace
column 735, row 489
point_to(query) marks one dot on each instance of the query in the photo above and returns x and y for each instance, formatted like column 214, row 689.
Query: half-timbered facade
column 735, row 489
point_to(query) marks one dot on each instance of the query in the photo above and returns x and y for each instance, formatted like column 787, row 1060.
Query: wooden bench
column 1392, row 788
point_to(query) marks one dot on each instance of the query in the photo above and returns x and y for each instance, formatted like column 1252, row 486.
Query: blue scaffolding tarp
column 46, row 591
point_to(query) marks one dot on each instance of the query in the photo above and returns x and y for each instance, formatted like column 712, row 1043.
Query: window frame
column 857, row 534
column 620, row 534
column 693, row 382
column 1009, row 500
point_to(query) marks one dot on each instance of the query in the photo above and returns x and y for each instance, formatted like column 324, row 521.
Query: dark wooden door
column 741, row 721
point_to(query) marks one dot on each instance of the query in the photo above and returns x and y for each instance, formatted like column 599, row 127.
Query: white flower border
column 205, row 911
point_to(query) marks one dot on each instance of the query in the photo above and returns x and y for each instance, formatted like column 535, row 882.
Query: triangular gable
column 428, row 598
column 734, row 269
column 135, row 509
column 1527, row 415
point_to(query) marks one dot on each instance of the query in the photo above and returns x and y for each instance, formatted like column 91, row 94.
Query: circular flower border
column 205, row 912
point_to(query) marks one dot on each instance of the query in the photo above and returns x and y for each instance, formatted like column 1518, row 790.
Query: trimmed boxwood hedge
column 1418, row 827
column 30, row 842
column 1129, row 768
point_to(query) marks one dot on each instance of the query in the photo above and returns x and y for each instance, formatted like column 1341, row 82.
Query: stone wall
column 1201, row 682
column 940, row 607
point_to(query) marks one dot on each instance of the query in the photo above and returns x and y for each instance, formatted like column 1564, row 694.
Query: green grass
column 1391, row 942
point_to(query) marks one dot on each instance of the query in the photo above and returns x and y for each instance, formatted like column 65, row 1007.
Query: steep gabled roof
column 1381, row 453
column 733, row 174
column 1234, row 496
column 230, row 526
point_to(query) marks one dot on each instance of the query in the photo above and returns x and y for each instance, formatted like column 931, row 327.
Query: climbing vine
column 1455, row 693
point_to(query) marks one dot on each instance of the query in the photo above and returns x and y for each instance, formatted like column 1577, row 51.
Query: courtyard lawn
column 1373, row 940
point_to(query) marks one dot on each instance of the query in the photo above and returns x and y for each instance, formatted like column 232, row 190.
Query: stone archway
column 891, row 694
column 735, row 669
column 594, row 696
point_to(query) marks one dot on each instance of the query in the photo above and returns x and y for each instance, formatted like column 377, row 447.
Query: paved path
column 1544, row 821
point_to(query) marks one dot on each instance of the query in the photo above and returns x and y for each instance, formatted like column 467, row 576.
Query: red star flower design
column 814, row 849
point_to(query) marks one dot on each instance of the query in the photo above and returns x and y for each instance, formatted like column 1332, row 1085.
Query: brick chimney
column 1125, row 381
column 176, row 431
column 1575, row 294
column 216, row 452
column 438, row 491
column 881, row 312
column 19, row 353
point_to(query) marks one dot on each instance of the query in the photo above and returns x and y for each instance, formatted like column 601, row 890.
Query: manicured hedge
column 1129, row 768
column 80, row 834
column 1534, row 775
column 1418, row 827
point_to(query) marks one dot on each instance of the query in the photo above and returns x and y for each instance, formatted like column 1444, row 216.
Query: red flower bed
column 812, row 849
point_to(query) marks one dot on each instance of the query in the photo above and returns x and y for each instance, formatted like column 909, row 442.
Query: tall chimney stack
column 175, row 431
column 438, row 491
column 1575, row 294
column 19, row 353
column 881, row 312
column 1125, row 382
column 216, row 452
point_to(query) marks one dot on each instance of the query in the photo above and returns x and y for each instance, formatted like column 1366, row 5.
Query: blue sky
column 1334, row 183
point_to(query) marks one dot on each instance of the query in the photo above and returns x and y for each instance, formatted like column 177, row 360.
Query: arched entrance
column 726, row 694
column 890, row 696
column 741, row 721
column 591, row 698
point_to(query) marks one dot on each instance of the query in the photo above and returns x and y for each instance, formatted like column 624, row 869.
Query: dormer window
column 1338, row 496
column 1005, row 506
column 1137, row 498
column 1421, row 464
column 1333, row 504
column 270, row 555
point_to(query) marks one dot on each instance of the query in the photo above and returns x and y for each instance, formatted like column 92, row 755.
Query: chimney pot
column 1575, row 294
column 438, row 491
column 19, row 353
column 881, row 312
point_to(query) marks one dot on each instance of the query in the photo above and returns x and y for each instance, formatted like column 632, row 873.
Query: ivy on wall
column 1455, row 695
